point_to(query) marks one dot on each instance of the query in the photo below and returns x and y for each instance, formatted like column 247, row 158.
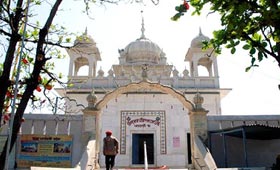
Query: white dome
column 143, row 51
column 84, row 40
column 197, row 41
column 87, row 45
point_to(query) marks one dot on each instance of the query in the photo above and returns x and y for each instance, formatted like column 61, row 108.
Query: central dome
column 144, row 51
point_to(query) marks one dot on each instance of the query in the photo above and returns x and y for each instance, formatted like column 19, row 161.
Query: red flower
column 38, row 88
column 6, row 117
column 9, row 94
column 24, row 60
column 186, row 5
column 48, row 87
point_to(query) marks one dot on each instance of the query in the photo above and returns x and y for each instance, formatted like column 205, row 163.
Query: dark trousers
column 110, row 161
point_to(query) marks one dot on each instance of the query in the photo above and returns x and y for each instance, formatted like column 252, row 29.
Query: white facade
column 141, row 113
column 157, row 114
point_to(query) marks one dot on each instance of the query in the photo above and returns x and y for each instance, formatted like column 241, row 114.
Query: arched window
column 81, row 66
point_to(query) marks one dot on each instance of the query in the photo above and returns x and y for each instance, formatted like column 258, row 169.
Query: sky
column 113, row 27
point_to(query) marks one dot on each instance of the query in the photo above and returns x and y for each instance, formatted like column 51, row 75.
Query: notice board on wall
column 45, row 150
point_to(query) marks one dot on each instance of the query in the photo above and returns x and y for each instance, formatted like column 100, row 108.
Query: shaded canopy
column 258, row 132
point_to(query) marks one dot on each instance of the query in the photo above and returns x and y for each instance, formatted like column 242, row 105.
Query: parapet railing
column 202, row 156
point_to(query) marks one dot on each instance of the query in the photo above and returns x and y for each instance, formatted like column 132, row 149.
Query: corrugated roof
column 254, row 131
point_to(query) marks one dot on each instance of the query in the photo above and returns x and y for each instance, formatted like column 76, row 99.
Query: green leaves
column 260, row 56
column 255, row 23
column 36, row 2
column 246, row 47
column 252, row 51
column 232, row 44
column 233, row 50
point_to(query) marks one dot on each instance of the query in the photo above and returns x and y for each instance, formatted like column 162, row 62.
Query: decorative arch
column 207, row 63
column 80, row 62
column 144, row 85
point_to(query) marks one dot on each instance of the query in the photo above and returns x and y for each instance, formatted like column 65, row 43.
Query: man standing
column 110, row 149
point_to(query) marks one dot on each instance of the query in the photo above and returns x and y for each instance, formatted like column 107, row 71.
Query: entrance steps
column 143, row 169
column 149, row 168
column 152, row 168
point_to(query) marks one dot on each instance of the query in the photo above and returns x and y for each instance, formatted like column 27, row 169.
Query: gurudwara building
column 143, row 99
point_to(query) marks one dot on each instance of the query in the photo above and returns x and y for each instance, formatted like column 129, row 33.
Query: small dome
column 85, row 44
column 197, row 41
column 186, row 73
column 100, row 73
column 198, row 100
column 91, row 99
column 111, row 72
column 84, row 40
column 175, row 72
column 143, row 51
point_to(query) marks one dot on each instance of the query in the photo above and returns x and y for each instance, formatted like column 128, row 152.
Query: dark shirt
column 110, row 145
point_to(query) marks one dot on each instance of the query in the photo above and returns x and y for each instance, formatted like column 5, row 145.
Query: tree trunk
column 32, row 83
column 17, row 123
column 5, row 77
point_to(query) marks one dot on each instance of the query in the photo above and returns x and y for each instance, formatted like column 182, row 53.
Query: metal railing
column 145, row 156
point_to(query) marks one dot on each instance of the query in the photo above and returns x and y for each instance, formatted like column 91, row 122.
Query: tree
column 34, row 57
column 253, row 23
column 29, row 50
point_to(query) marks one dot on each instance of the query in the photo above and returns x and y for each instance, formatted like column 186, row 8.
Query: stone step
column 148, row 169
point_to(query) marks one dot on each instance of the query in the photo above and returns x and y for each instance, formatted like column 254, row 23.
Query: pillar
column 198, row 123
column 91, row 125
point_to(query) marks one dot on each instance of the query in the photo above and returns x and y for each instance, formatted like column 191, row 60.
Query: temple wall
column 136, row 114
column 47, row 124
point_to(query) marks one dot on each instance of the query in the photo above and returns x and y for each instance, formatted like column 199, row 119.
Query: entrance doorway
column 138, row 148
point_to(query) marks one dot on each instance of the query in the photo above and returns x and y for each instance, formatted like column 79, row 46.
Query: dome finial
column 85, row 32
column 200, row 32
column 142, row 28
column 198, row 101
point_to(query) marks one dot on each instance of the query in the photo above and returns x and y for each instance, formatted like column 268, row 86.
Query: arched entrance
column 133, row 125
column 146, row 85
